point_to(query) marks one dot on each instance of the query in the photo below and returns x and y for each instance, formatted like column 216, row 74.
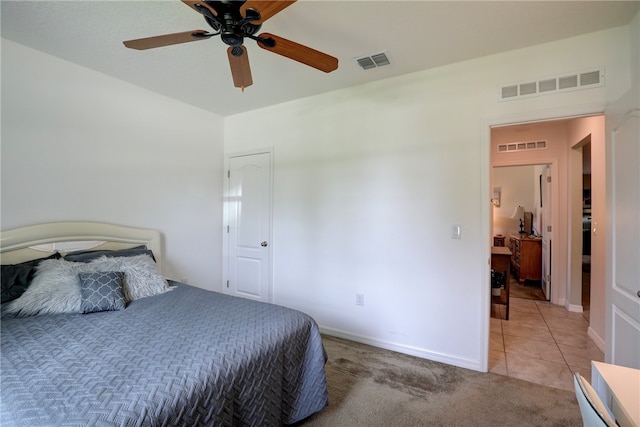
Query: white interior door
column 547, row 230
column 623, row 258
column 248, row 213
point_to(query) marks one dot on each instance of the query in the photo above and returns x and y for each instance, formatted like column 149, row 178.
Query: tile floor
column 541, row 342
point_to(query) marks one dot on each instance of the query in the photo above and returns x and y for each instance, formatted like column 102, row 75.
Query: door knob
column 264, row 244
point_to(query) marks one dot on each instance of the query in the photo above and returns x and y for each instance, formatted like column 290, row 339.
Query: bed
column 179, row 356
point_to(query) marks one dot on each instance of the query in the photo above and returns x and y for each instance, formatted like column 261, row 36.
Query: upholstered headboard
column 17, row 245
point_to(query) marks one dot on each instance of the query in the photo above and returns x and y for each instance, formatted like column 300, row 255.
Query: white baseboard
column 401, row 348
column 597, row 339
column 575, row 308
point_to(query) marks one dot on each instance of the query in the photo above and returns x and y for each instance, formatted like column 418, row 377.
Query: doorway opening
column 561, row 137
column 581, row 202
column 562, row 200
column 520, row 222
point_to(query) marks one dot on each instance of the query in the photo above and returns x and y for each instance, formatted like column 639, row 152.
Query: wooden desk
column 619, row 389
column 501, row 261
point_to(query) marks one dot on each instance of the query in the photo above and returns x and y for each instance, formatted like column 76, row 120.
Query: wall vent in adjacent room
column 521, row 146
column 570, row 81
column 373, row 61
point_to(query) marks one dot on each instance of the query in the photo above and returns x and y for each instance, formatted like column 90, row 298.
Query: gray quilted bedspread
column 186, row 357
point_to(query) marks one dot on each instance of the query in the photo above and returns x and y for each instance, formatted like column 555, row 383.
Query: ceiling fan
column 235, row 20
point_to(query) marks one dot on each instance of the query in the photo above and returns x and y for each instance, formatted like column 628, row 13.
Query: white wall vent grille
column 547, row 85
column 568, row 82
column 373, row 61
column 522, row 146
column 571, row 81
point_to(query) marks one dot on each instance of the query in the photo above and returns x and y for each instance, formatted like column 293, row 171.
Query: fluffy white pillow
column 56, row 285
column 141, row 275
column 54, row 289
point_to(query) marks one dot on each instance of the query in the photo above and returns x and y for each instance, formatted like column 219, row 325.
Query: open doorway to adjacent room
column 554, row 170
column 582, row 205
column 549, row 169
column 525, row 231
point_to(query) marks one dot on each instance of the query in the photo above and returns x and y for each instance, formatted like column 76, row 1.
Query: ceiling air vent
column 373, row 61
column 570, row 81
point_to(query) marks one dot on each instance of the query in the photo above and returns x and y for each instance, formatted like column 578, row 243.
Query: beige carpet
column 374, row 387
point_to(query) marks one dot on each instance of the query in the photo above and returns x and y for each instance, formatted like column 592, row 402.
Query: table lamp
column 519, row 213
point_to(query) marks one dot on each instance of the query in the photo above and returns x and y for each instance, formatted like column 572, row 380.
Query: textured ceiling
column 416, row 35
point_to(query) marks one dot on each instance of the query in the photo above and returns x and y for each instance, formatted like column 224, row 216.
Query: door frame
column 225, row 215
column 576, row 160
column 486, row 123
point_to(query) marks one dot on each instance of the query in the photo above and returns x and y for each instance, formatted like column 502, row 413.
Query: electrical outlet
column 359, row 299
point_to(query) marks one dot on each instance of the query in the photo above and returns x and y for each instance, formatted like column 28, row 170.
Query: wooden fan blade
column 165, row 40
column 192, row 5
column 240, row 69
column 266, row 8
column 300, row 53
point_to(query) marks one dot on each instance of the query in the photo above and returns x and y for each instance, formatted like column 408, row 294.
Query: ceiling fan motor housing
column 231, row 36
column 233, row 27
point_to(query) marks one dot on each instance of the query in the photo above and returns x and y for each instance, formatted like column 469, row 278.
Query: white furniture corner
column 619, row 389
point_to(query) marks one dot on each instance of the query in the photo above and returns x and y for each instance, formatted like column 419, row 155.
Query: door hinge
column 229, row 174
column 548, row 229
column 227, row 229
column 227, row 283
column 548, row 179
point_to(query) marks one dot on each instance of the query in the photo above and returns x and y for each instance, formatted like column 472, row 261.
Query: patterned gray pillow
column 101, row 291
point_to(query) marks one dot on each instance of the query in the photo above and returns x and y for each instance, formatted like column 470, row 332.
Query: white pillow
column 141, row 275
column 54, row 289
column 56, row 285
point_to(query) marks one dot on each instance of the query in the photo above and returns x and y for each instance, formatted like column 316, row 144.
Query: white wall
column 78, row 145
column 369, row 180
column 518, row 184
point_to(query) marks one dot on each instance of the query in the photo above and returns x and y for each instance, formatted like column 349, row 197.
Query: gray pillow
column 101, row 291
column 87, row 256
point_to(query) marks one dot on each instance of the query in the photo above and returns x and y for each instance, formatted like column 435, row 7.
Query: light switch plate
column 456, row 231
